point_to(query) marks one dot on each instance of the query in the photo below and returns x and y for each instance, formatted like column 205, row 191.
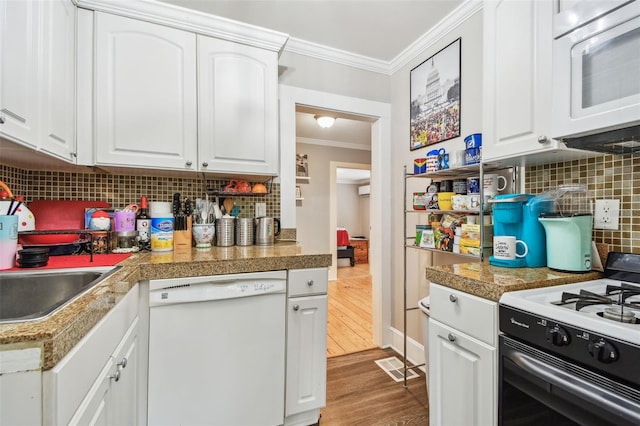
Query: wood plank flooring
column 361, row 393
column 349, row 327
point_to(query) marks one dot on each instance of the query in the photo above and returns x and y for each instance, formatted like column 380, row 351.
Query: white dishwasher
column 217, row 350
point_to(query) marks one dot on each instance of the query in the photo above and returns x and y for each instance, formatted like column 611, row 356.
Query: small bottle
column 143, row 224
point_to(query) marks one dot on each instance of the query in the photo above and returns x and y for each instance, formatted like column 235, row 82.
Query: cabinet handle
column 453, row 298
column 296, row 307
column 451, row 337
column 543, row 139
column 189, row 163
column 310, row 283
column 2, row 118
column 205, row 164
column 123, row 362
column 115, row 376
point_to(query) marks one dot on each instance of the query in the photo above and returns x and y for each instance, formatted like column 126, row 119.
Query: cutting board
column 58, row 215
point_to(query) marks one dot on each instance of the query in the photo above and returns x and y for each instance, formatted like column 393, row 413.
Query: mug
column 457, row 159
column 473, row 202
column 433, row 187
column 445, row 200
column 504, row 247
column 492, row 183
column 473, row 185
column 8, row 241
column 459, row 202
column 460, row 186
column 125, row 221
column 446, row 186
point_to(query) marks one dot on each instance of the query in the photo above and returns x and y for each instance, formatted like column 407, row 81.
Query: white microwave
column 596, row 75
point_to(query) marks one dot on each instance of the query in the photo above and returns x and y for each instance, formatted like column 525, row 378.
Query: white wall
column 471, row 122
column 312, row 214
column 350, row 213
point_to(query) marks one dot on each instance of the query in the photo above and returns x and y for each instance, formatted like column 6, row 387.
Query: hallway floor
column 349, row 326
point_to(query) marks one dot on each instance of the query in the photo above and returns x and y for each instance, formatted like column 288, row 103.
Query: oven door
column 537, row 388
column 595, row 75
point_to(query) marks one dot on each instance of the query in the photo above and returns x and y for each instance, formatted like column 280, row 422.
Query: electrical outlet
column 607, row 214
column 261, row 209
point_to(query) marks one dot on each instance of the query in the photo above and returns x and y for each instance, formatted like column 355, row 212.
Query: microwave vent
column 620, row 141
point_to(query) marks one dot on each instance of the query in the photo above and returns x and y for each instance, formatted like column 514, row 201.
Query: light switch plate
column 261, row 209
column 607, row 214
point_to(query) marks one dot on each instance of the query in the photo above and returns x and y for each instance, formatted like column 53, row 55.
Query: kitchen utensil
column 8, row 241
column 505, row 247
column 267, row 228
column 203, row 234
column 244, row 231
column 473, row 185
column 228, row 204
column 225, row 231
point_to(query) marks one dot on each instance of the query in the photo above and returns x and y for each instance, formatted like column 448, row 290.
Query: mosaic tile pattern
column 607, row 177
column 121, row 190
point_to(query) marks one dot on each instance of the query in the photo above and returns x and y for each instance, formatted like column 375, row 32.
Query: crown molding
column 440, row 30
column 191, row 20
column 333, row 144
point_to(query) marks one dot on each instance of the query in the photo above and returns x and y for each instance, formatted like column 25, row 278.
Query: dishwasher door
column 217, row 350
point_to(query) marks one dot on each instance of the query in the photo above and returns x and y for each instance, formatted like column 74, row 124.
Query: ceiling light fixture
column 324, row 121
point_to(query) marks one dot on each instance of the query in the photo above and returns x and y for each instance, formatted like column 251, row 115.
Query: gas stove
column 596, row 323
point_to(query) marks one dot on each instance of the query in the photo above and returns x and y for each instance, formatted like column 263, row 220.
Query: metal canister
column 225, row 231
column 244, row 231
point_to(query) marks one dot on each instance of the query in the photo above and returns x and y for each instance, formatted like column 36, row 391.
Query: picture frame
column 435, row 97
column 298, row 192
column 302, row 165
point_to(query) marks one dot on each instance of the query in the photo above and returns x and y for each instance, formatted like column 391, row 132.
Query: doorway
column 380, row 113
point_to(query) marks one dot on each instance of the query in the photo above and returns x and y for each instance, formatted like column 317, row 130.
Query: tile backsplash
column 120, row 190
column 606, row 177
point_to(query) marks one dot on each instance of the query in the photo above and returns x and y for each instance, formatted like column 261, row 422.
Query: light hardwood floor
column 349, row 315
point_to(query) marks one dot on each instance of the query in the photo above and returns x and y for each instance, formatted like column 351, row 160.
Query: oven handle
column 609, row 401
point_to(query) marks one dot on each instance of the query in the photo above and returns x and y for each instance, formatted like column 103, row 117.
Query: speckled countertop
column 490, row 282
column 57, row 334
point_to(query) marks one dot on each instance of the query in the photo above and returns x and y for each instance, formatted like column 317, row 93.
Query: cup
column 456, row 159
column 445, row 200
column 459, row 202
column 8, row 241
column 203, row 234
column 446, row 186
column 473, row 202
column 505, row 248
column 125, row 221
column 494, row 183
column 473, row 185
column 460, row 186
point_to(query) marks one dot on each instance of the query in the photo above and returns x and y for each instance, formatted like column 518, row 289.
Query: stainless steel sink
column 32, row 295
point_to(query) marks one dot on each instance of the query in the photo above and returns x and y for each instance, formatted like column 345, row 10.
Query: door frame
column 380, row 214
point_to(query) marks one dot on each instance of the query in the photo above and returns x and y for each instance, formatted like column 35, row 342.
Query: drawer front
column 470, row 314
column 307, row 282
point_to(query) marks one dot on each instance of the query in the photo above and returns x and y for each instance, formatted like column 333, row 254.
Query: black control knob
column 557, row 336
column 602, row 350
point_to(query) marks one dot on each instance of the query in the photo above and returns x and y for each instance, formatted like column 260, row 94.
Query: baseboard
column 415, row 350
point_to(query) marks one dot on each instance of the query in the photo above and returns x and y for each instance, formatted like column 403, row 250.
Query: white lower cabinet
column 463, row 359
column 306, row 370
column 96, row 383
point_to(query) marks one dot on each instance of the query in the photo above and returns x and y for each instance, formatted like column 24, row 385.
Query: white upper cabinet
column 19, row 70
column 517, row 52
column 237, row 108
column 59, row 78
column 145, row 86
column 37, row 75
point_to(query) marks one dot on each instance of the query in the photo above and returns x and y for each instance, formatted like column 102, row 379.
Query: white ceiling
column 377, row 29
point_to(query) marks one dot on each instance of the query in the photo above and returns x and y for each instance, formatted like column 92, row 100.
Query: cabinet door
column 123, row 409
column 517, row 78
column 94, row 409
column 462, row 378
column 145, row 94
column 19, row 70
column 237, row 108
column 306, row 354
column 58, row 105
